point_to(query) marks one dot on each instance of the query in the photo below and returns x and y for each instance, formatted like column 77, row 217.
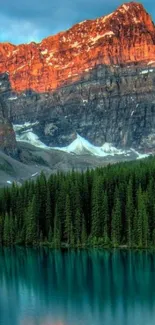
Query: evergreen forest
column 113, row 206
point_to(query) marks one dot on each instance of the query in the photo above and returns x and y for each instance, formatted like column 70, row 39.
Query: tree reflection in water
column 47, row 287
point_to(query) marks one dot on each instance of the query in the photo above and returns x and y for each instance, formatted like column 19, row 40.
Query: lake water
column 45, row 287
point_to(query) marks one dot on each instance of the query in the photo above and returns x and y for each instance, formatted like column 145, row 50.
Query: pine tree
column 76, row 205
column 85, row 199
column 140, row 207
column 48, row 213
column 12, row 230
column 78, row 226
column 60, row 204
column 6, row 234
column 68, row 221
column 129, row 214
column 116, row 223
column 31, row 225
column 42, row 203
column 50, row 235
column 72, row 236
column 19, row 218
column 84, row 232
column 153, row 238
column 96, row 224
column 145, row 223
column 14, row 199
column 150, row 194
column 1, row 230
column 134, row 230
column 105, row 218
column 57, row 229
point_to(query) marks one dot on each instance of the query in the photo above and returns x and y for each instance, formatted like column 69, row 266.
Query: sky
column 23, row 21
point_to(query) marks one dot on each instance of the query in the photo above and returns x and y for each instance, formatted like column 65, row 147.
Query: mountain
column 95, row 80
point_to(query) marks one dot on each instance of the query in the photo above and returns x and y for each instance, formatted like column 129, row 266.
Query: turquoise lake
column 94, row 287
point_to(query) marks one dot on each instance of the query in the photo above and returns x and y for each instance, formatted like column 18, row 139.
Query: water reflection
column 42, row 287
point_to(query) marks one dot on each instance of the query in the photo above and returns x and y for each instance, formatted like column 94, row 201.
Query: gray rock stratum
column 110, row 104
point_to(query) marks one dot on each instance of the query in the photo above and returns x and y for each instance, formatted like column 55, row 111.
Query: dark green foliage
column 116, row 224
column 105, row 230
column 1, row 230
column 111, row 206
column 84, row 232
column 68, row 221
column 6, row 234
column 129, row 214
column 31, row 225
column 57, row 229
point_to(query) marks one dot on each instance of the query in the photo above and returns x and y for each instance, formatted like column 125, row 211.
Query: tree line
column 111, row 206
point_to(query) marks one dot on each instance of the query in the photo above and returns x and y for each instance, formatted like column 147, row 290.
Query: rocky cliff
column 7, row 135
column 96, row 79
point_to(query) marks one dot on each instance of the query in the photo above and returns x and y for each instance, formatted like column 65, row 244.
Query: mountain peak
column 135, row 13
column 132, row 5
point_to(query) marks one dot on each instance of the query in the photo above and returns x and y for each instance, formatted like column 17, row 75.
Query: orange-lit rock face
column 127, row 35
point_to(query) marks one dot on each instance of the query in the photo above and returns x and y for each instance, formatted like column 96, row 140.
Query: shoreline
column 86, row 247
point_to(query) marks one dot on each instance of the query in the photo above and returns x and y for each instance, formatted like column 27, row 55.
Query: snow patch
column 67, row 65
column 146, row 71
column 18, row 127
column 82, row 22
column 44, row 52
column 106, row 17
column 49, row 57
column 95, row 39
column 35, row 174
column 83, row 146
column 76, row 44
column 31, row 138
column 125, row 7
column 22, row 66
column 9, row 182
column 64, row 38
column 150, row 62
column 15, row 51
column 13, row 98
column 136, row 20
column 140, row 155
column 78, row 146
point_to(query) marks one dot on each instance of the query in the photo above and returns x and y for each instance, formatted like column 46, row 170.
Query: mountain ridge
column 123, row 37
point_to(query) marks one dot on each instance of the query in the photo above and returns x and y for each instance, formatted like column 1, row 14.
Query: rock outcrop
column 96, row 79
